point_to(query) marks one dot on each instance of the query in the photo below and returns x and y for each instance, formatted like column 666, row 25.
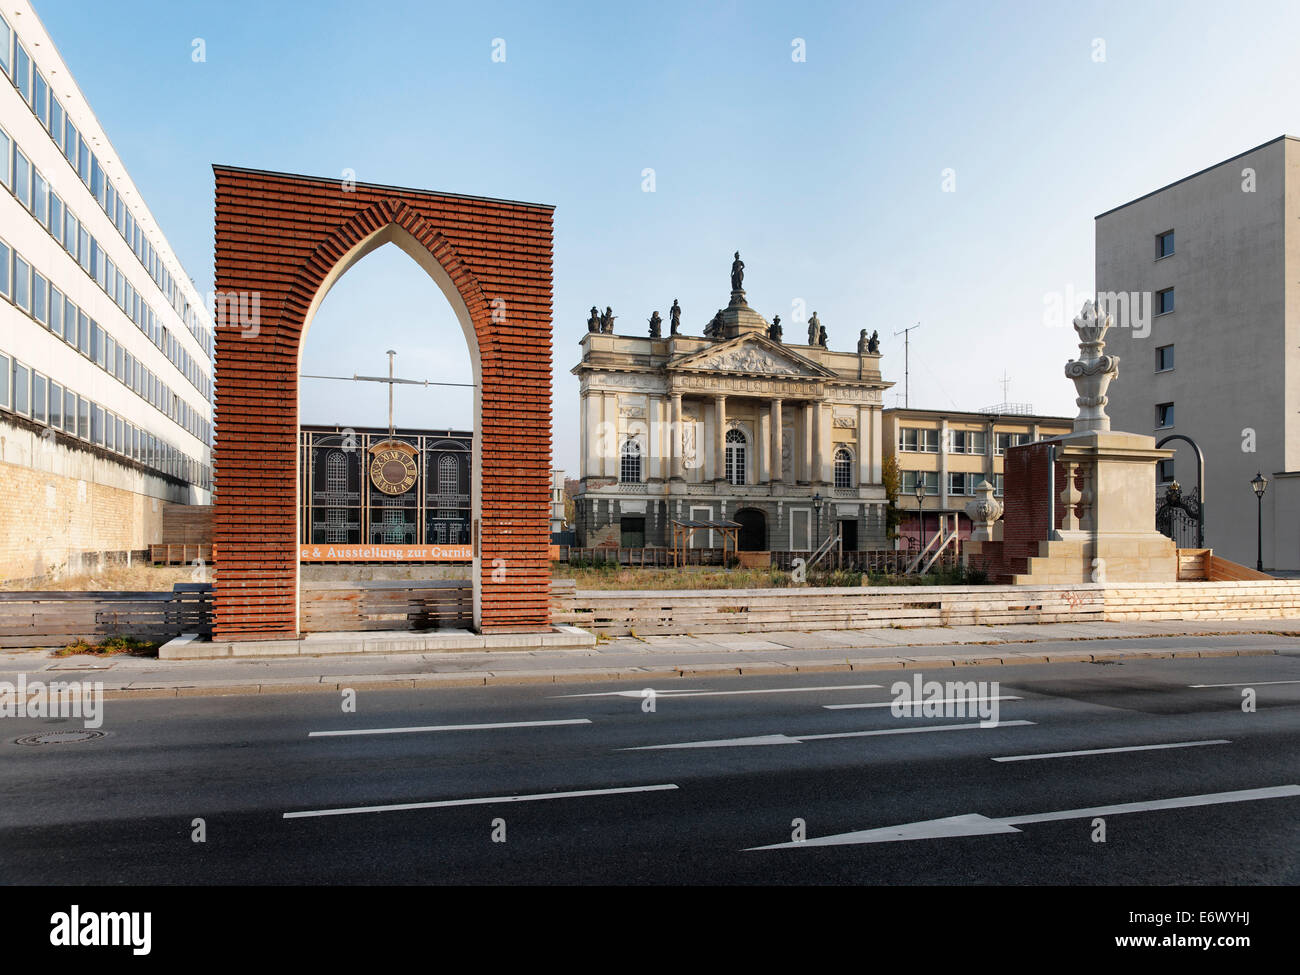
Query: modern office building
column 731, row 425
column 950, row 452
column 1202, row 278
column 105, row 345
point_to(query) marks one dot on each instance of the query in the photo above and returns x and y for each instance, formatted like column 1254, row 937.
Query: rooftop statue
column 674, row 318
column 737, row 273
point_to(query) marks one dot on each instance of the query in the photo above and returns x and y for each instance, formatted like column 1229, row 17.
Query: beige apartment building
column 950, row 452
column 1202, row 278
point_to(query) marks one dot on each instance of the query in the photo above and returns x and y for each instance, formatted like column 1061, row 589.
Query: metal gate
column 1178, row 517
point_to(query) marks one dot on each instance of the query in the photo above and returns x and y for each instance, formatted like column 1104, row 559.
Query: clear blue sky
column 825, row 174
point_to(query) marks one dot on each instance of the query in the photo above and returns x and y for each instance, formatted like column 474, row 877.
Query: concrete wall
column 1235, row 329
column 59, row 501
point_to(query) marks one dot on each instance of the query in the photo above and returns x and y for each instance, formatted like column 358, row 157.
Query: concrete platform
column 193, row 647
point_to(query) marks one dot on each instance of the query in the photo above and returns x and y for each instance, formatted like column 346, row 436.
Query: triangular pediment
column 751, row 355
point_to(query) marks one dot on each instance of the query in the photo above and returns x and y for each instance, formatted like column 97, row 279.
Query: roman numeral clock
column 392, row 466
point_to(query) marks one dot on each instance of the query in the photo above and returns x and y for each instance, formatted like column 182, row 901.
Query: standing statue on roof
column 656, row 325
column 873, row 344
column 814, row 324
column 737, row 273
column 593, row 322
column 774, row 332
column 674, row 318
column 607, row 321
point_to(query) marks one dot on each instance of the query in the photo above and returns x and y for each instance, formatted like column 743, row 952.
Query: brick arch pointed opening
column 287, row 239
column 431, row 251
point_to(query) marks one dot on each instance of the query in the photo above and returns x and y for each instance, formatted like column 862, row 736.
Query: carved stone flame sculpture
column 1093, row 371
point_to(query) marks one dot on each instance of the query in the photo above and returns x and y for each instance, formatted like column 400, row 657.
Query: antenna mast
column 907, row 363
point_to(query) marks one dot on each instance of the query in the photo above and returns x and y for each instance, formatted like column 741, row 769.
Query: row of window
column 31, row 84
column 630, row 467
column 27, row 288
column 26, row 392
column 926, row 441
column 958, row 483
column 26, row 183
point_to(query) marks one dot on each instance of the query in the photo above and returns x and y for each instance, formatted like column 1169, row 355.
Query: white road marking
column 1248, row 683
column 798, row 739
column 915, row 703
column 1112, row 751
column 446, row 727
column 483, row 801
column 686, row 692
column 973, row 824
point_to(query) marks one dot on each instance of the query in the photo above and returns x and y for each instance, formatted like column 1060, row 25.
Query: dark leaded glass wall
column 341, row 505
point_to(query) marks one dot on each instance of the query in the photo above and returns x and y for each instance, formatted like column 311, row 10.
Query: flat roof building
column 105, row 344
column 1202, row 278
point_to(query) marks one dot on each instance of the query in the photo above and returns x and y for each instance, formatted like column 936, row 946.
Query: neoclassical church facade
column 733, row 425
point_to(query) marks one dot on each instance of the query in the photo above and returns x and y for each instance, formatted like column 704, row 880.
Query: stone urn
column 983, row 512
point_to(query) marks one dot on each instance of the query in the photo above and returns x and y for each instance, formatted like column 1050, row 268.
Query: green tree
column 893, row 481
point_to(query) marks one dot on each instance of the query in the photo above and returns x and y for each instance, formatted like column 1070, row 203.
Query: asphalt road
column 596, row 803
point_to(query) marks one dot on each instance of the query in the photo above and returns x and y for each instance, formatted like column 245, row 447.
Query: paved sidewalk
column 631, row 658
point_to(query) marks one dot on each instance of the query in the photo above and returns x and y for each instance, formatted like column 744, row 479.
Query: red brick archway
column 281, row 242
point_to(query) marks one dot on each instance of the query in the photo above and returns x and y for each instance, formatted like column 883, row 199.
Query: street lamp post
column 920, row 513
column 1260, row 483
column 817, row 507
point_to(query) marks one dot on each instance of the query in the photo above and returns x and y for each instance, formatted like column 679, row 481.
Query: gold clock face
column 392, row 471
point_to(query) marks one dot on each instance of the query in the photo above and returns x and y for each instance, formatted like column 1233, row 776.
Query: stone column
column 655, row 436
column 591, row 461
column 719, row 437
column 806, row 446
column 675, row 437
column 864, row 445
column 816, row 473
column 778, row 473
column 609, row 465
column 764, row 437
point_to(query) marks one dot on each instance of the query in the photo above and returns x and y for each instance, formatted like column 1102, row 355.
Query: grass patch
column 112, row 647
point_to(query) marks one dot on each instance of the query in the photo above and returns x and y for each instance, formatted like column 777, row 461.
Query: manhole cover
column 60, row 737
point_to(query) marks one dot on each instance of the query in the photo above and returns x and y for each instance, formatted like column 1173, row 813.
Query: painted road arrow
column 973, row 824
column 799, row 739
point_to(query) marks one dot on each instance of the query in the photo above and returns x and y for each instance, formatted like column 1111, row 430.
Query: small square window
column 1164, row 358
column 1164, row 415
column 1164, row 244
column 1165, row 301
column 1165, row 471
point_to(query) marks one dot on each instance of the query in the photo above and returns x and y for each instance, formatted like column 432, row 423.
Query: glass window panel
column 6, row 36
column 83, row 162
column 56, row 405
column 96, row 179
column 23, row 71
column 118, row 437
column 21, row 379
column 69, row 321
column 70, row 236
column 55, row 221
column 56, row 311
column 69, row 411
column 56, row 120
column 96, row 342
column 40, row 298
column 83, row 247
column 40, row 97
column 83, row 417
column 22, row 284
column 70, row 141
column 4, row 158
column 22, row 178
column 4, row 269
column 40, row 394
column 5, row 400
column 83, row 332
column 96, row 424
